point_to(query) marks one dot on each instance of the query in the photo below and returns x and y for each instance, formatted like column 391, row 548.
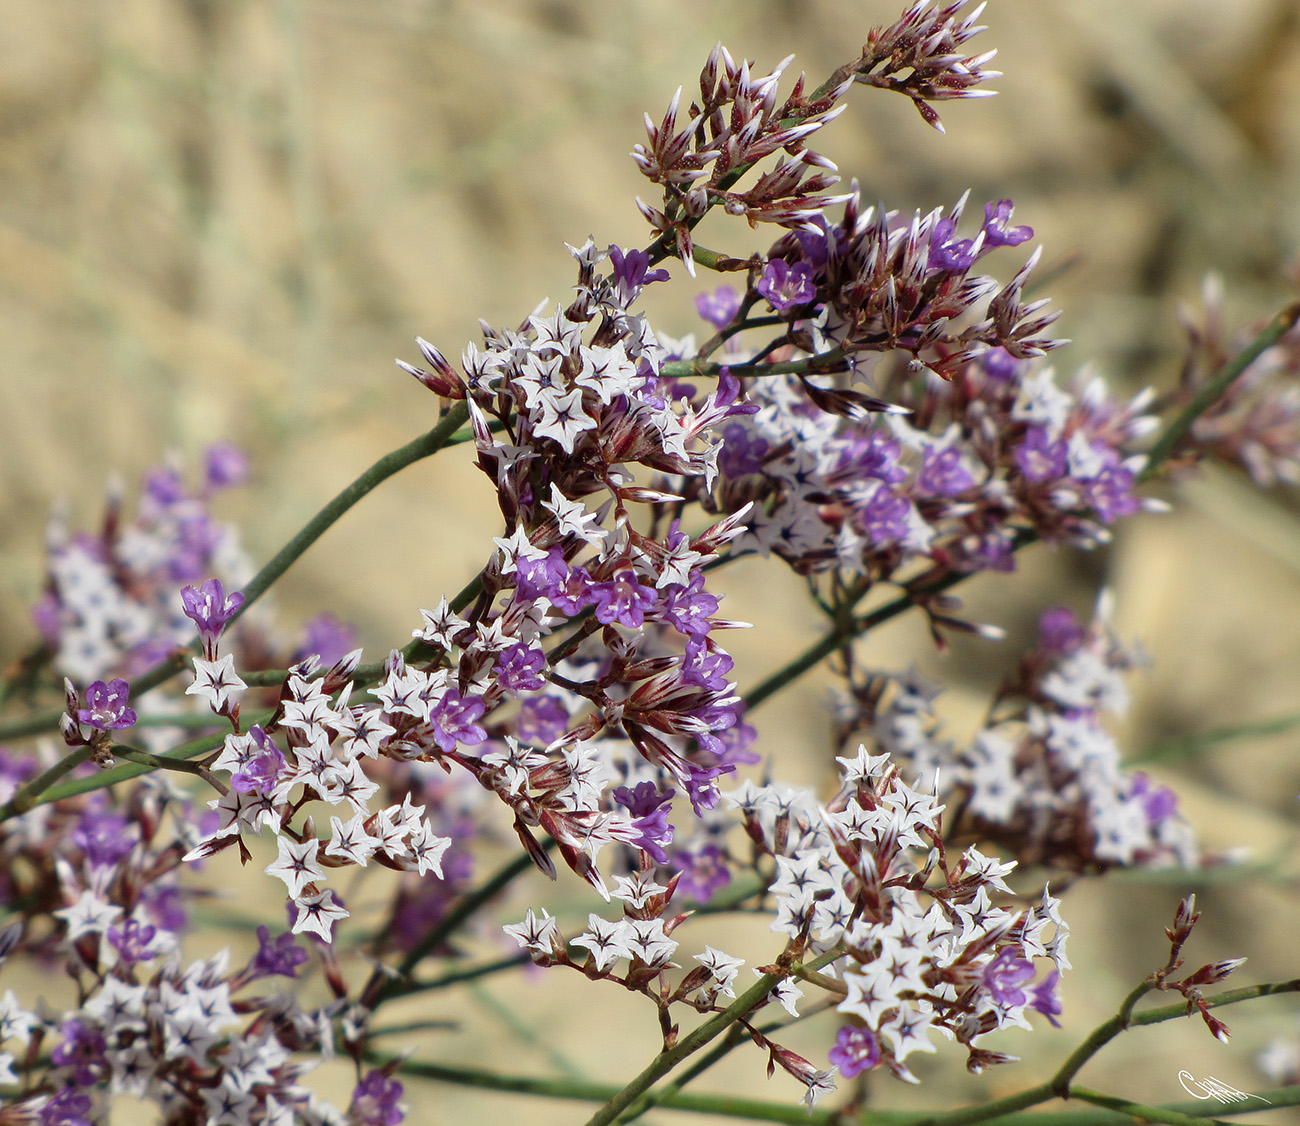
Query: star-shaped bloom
column 561, row 417
column 296, row 865
column 318, row 913
column 89, row 915
column 217, row 682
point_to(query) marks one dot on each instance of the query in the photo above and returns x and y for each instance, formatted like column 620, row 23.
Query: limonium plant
column 869, row 408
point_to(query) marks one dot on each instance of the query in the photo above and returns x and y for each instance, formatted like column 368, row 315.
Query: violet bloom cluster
column 110, row 606
column 1043, row 779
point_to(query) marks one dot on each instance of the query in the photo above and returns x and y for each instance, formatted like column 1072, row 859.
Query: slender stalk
column 669, row 1058
column 1281, row 323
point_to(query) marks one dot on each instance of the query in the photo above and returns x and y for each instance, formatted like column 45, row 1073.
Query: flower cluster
column 895, row 426
column 1043, row 778
column 110, row 605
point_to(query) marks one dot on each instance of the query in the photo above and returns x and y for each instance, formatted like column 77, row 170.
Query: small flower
column 217, row 682
column 107, row 706
column 280, row 956
column 786, row 286
column 210, row 608
column 856, row 1050
column 375, row 1102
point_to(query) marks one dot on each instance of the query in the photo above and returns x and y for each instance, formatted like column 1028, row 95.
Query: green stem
column 834, row 360
column 1281, row 323
column 1140, row 1110
column 693, row 1041
column 161, row 762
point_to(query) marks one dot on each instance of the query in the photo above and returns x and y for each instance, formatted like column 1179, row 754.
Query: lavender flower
column 107, row 708
column 210, row 608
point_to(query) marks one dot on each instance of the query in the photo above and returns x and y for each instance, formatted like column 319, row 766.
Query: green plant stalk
column 668, row 1059
column 1278, row 326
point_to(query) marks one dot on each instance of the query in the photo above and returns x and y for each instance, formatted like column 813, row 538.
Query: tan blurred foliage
column 220, row 219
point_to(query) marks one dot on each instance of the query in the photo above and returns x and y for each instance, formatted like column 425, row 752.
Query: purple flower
column 649, row 809
column 631, row 273
column 718, row 307
column 225, row 465
column 943, row 474
column 280, row 956
column 996, row 232
column 107, row 707
column 1039, row 457
column 375, row 1102
column 873, row 456
column 623, row 599
column 260, row 773
column 1045, row 999
column 520, row 667
column 786, row 286
column 132, row 940
column 1004, row 976
column 452, row 719
column 209, row 608
column 688, row 607
column 328, row 638
column 855, row 1051
column 946, row 252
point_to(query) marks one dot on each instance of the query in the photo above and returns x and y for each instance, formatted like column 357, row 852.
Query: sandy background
column 221, row 220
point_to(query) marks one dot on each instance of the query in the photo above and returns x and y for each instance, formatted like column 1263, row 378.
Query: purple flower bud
column 107, row 707
column 1043, row 998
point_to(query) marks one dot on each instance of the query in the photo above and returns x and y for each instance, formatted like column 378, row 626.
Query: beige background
column 223, row 219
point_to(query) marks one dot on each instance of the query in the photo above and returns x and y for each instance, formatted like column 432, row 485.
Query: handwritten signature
column 1211, row 1088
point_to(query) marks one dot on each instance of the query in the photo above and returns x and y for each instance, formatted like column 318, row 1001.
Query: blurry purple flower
column 1039, row 457
column 703, row 871
column 719, row 306
column 375, row 1102
column 1044, row 998
column 943, row 474
column 83, row 1051
column 224, row 466
column 107, row 707
column 280, row 956
column 855, row 1051
column 1059, row 631
column 542, row 719
column 67, row 1108
column 1006, row 974
column 132, row 940
column 1158, row 802
column 786, row 286
column 328, row 638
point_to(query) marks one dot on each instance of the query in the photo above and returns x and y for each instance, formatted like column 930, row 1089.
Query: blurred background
column 222, row 219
